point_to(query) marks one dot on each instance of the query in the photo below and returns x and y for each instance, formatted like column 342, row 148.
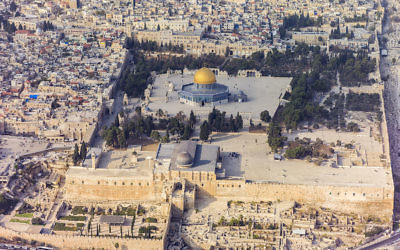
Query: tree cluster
column 13, row 6
column 219, row 123
column 363, row 102
column 264, row 116
column 275, row 138
column 301, row 148
column 354, row 70
column 355, row 18
column 6, row 205
column 131, row 43
column 295, row 22
column 239, row 222
column 79, row 155
column 9, row 27
column 47, row 25
column 117, row 134
column 336, row 34
column 135, row 82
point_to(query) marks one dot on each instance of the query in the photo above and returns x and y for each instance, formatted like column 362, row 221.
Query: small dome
column 184, row 159
column 204, row 76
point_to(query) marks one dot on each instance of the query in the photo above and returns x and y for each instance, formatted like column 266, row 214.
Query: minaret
column 93, row 160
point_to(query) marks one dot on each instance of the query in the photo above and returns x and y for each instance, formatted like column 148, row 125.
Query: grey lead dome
column 184, row 159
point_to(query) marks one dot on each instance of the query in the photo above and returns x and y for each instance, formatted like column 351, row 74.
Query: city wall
column 367, row 200
column 81, row 242
column 86, row 189
column 374, row 201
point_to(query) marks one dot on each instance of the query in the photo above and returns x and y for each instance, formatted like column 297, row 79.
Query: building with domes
column 204, row 90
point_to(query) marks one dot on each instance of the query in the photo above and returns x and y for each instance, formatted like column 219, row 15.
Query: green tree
column 295, row 152
column 121, row 139
column 116, row 122
column 13, row 6
column 187, row 132
column 204, row 131
column 76, row 155
column 192, row 119
column 275, row 138
column 227, row 52
column 238, row 122
column 264, row 116
column 83, row 151
column 155, row 135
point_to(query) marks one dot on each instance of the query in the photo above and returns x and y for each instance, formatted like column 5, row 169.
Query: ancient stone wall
column 112, row 189
column 376, row 201
column 368, row 200
column 79, row 242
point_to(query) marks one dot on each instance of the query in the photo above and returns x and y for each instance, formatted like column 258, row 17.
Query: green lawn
column 20, row 221
column 61, row 227
column 73, row 218
column 25, row 215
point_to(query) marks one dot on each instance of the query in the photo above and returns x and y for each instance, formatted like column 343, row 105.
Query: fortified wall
column 78, row 242
column 363, row 199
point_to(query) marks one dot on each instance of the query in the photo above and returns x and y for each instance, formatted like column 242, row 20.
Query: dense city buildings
column 199, row 124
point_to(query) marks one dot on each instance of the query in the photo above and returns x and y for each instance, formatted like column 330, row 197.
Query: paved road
column 383, row 243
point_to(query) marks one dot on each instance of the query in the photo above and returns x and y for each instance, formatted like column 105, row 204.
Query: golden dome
column 204, row 76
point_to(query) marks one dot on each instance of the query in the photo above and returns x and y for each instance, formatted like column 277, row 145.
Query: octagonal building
column 204, row 90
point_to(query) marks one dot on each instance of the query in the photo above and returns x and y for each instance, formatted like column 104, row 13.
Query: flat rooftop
column 119, row 164
column 204, row 156
column 256, row 163
column 11, row 147
column 263, row 93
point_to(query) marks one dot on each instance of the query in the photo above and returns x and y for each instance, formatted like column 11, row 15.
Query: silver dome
column 184, row 159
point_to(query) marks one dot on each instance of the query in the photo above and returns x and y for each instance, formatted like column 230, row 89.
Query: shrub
column 151, row 220
column 37, row 221
column 79, row 210
column 374, row 231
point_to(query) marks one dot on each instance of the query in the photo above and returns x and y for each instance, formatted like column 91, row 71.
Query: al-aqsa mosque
column 204, row 90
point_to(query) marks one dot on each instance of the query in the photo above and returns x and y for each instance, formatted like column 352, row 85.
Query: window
column 98, row 182
column 123, row 183
column 115, row 183
column 363, row 194
column 240, row 185
column 83, row 182
column 72, row 182
column 202, row 184
column 330, row 193
column 354, row 194
column 140, row 184
column 233, row 185
column 217, row 185
column 131, row 183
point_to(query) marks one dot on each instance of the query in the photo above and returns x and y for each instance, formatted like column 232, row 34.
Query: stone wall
column 98, row 189
column 375, row 201
column 368, row 200
column 75, row 242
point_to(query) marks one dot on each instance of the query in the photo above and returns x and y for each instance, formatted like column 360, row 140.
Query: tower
column 93, row 160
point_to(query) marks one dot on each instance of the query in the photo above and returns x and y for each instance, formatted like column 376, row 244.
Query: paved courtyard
column 263, row 93
column 255, row 162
